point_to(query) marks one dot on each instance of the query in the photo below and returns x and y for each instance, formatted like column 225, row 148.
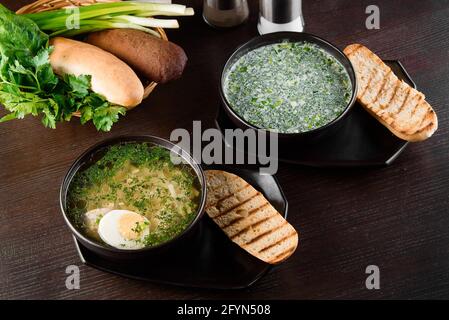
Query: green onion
column 149, row 22
column 96, row 17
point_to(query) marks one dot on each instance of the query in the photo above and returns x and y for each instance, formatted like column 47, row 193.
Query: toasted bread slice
column 399, row 107
column 248, row 219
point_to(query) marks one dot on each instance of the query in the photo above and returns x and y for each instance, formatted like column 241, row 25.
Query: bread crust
column 110, row 76
column 395, row 104
column 248, row 219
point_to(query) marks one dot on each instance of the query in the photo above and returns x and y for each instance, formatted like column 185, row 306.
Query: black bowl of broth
column 133, row 196
column 295, row 84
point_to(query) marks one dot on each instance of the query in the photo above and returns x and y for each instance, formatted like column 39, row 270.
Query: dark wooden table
column 395, row 217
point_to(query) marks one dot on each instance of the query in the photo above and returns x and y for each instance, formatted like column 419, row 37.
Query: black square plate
column 361, row 141
column 209, row 259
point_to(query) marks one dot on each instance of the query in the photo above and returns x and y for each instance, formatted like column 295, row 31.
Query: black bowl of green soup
column 295, row 84
column 131, row 196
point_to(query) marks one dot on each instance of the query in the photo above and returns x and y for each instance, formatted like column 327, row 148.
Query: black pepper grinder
column 225, row 13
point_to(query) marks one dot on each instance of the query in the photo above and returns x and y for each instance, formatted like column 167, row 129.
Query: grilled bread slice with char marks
column 399, row 107
column 248, row 219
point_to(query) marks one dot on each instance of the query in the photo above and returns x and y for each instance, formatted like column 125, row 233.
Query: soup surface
column 288, row 87
column 139, row 178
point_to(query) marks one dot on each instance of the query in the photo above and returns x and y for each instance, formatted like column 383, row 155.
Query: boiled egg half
column 124, row 229
column 92, row 219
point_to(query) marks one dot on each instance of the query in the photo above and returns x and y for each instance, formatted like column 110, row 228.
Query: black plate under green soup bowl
column 97, row 152
column 316, row 131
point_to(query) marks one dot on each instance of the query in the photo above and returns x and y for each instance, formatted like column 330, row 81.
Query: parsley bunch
column 28, row 85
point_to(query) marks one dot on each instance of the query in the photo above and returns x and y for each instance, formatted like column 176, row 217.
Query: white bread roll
column 111, row 77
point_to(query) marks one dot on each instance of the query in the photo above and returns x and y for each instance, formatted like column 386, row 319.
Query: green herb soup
column 288, row 87
column 141, row 178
